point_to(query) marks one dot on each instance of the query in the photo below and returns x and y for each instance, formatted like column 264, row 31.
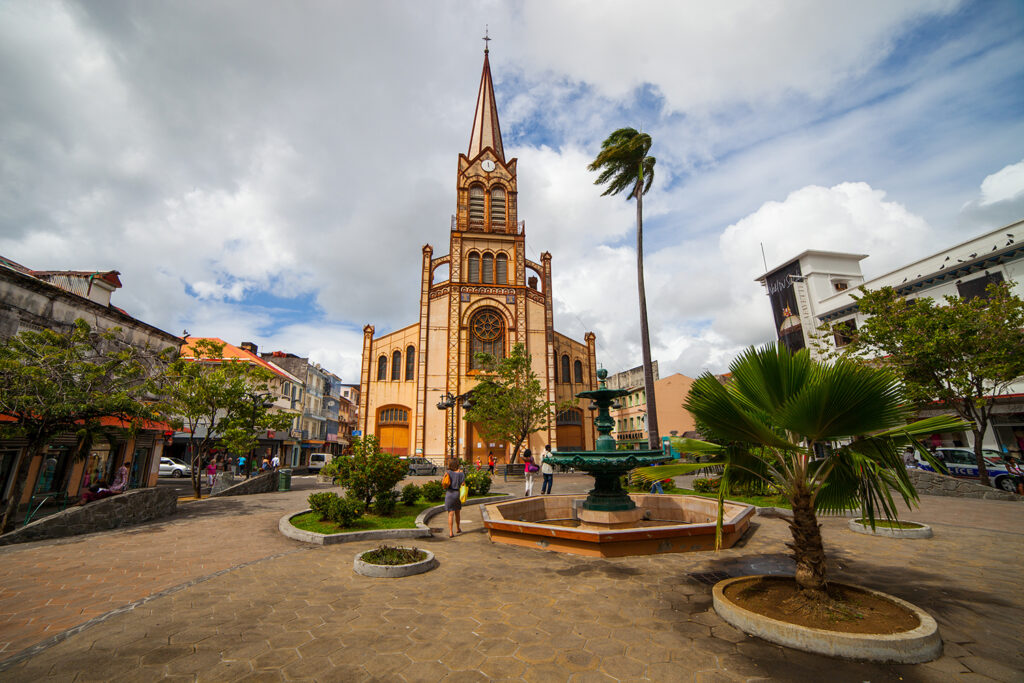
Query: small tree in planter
column 369, row 472
column 769, row 417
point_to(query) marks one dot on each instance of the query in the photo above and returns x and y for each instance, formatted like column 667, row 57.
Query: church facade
column 494, row 298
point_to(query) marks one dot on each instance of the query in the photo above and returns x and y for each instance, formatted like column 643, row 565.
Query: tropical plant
column 479, row 483
column 344, row 511
column 433, row 491
column 623, row 164
column 320, row 503
column 369, row 471
column 964, row 352
column 771, row 415
column 385, row 503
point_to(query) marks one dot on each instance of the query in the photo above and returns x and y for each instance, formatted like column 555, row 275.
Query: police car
column 962, row 464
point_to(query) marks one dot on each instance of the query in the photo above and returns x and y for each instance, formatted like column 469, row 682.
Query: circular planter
column 919, row 531
column 393, row 571
column 921, row 644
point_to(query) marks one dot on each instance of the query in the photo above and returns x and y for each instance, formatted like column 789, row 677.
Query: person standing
column 490, row 464
column 1015, row 470
column 211, row 473
column 241, row 465
column 547, row 472
column 452, row 503
column 275, row 462
column 529, row 467
column 121, row 479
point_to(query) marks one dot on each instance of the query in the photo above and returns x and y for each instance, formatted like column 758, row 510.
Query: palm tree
column 828, row 437
column 624, row 165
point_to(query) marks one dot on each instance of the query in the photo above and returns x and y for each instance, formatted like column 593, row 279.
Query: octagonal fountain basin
column 659, row 524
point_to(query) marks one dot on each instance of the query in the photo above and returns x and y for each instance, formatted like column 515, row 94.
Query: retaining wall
column 125, row 509
column 934, row 484
column 261, row 483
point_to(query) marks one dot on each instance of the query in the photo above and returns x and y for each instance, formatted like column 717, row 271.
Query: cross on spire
column 487, row 39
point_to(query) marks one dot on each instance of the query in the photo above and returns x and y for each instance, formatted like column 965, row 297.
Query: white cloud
column 1007, row 183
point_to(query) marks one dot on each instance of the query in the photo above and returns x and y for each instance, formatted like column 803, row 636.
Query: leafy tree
column 53, row 383
column 219, row 402
column 625, row 165
column 509, row 402
column 964, row 353
column 768, row 419
column 369, row 472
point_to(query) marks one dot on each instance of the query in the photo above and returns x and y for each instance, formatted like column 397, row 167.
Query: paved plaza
column 215, row 593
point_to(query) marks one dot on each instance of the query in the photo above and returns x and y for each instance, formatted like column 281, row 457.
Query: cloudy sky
column 269, row 171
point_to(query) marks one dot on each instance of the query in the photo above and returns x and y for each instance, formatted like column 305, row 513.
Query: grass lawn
column 404, row 518
column 759, row 501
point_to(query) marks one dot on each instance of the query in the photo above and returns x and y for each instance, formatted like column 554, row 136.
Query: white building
column 814, row 289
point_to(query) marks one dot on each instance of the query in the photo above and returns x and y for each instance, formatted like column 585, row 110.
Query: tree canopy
column 53, row 383
column 509, row 402
column 963, row 353
column 219, row 400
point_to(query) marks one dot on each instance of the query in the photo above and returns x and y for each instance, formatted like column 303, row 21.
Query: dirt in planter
column 389, row 555
column 856, row 611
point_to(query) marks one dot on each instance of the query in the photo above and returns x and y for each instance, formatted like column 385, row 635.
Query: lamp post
column 450, row 401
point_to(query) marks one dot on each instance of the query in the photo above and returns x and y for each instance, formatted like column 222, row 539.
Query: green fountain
column 604, row 463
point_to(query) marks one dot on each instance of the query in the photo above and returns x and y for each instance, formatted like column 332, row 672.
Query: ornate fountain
column 607, row 504
column 611, row 522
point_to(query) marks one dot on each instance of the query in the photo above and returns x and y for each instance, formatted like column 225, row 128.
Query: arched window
column 410, row 362
column 476, row 207
column 474, row 267
column 501, row 269
column 488, row 269
column 498, row 209
column 396, row 366
column 382, row 368
column 577, row 372
column 565, row 370
column 486, row 335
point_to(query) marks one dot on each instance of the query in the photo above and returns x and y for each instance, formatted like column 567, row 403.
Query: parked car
column 172, row 467
column 420, row 465
column 962, row 464
column 318, row 460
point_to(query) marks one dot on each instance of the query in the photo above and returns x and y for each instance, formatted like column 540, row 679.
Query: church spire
column 486, row 131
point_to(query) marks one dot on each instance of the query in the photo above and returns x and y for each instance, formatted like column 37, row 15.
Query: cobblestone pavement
column 293, row 612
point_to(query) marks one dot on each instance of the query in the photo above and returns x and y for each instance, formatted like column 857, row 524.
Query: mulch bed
column 779, row 598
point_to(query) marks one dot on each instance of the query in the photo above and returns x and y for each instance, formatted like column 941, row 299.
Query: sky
column 269, row 171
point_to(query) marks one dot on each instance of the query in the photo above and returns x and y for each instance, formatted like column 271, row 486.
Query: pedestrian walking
column 241, row 466
column 529, row 467
column 275, row 462
column 452, row 480
column 490, row 464
column 547, row 471
column 211, row 473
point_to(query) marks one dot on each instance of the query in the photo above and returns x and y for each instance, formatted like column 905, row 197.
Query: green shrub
column 320, row 503
column 433, row 491
column 389, row 555
column 479, row 483
column 411, row 493
column 385, row 503
column 368, row 471
column 705, row 485
column 345, row 511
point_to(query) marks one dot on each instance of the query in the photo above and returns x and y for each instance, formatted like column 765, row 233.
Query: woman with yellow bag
column 453, row 480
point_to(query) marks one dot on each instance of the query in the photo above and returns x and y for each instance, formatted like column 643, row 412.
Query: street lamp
column 257, row 400
column 450, row 401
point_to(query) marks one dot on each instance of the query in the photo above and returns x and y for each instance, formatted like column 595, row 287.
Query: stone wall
column 933, row 484
column 125, row 509
column 262, row 483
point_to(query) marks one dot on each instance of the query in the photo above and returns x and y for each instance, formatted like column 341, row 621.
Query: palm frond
column 718, row 408
column 654, row 473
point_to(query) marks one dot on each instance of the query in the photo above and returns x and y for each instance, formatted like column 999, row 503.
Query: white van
column 318, row 460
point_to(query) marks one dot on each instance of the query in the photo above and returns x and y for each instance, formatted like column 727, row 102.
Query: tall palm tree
column 624, row 165
column 771, row 416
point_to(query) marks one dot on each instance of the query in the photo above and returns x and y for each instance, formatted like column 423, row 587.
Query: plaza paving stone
column 218, row 595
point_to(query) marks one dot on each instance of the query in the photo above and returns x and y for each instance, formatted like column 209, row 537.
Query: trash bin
column 284, row 480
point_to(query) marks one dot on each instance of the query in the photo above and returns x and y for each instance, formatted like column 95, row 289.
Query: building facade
column 493, row 298
column 37, row 300
column 630, row 416
column 811, row 297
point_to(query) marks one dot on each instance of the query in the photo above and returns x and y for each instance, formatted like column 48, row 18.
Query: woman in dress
column 452, row 504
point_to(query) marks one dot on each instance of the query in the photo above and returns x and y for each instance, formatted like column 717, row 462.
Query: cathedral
column 494, row 298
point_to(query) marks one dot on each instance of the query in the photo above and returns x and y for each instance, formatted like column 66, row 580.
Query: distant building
column 54, row 299
column 814, row 289
column 630, row 431
column 316, row 405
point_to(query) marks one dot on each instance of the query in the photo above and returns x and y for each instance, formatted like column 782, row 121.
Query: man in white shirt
column 276, row 462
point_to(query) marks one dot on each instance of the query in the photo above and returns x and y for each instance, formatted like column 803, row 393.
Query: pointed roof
column 486, row 131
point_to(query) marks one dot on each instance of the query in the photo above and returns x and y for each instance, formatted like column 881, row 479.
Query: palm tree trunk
column 653, row 438
column 808, row 551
